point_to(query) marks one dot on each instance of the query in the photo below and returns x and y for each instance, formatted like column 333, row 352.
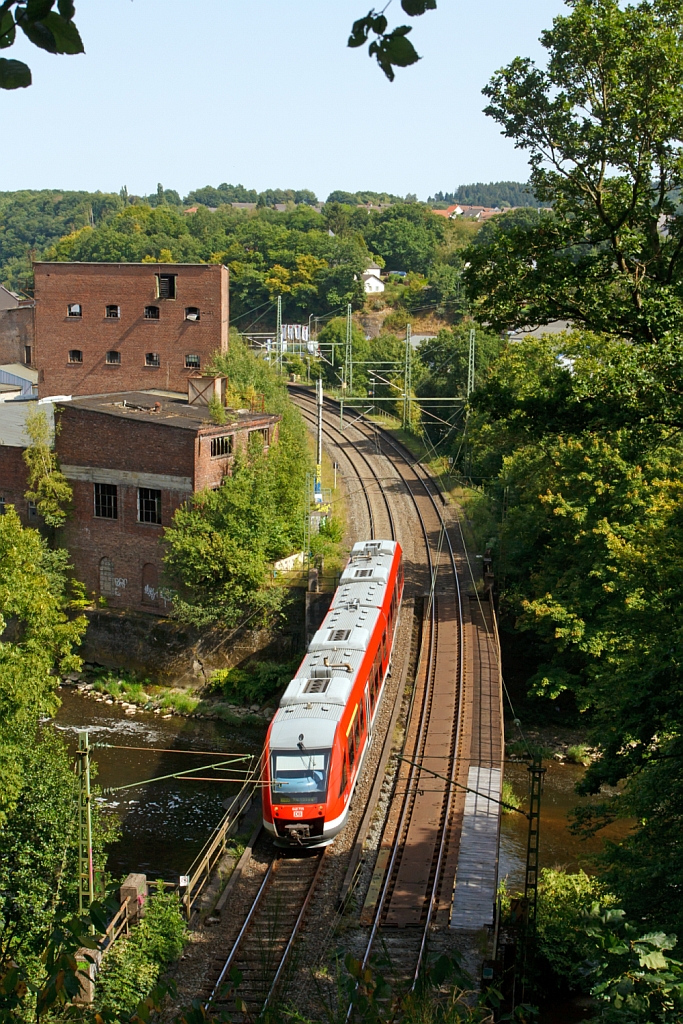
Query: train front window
column 299, row 778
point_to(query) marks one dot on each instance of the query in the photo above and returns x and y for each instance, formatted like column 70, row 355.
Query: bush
column 132, row 967
column 579, row 755
column 255, row 683
column 563, row 901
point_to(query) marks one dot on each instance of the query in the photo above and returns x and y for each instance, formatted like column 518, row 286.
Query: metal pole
column 349, row 349
column 278, row 333
column 536, row 773
column 407, row 380
column 86, row 873
column 470, row 365
column 318, row 497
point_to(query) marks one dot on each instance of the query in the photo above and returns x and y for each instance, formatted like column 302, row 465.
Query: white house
column 372, row 285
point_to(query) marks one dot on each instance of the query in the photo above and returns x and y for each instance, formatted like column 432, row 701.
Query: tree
column 54, row 31
column 47, row 485
column 602, row 124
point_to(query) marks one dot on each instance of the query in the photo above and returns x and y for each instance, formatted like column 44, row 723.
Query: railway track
column 409, row 875
column 412, row 884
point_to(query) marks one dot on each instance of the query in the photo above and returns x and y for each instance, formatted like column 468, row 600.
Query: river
column 558, row 846
column 163, row 824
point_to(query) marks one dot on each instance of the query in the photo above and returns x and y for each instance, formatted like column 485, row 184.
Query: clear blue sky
column 265, row 93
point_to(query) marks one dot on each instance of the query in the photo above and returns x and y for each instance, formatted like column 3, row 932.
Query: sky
column 265, row 93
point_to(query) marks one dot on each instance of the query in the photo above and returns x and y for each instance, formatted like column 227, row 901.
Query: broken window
column 192, row 362
column 75, row 355
column 262, row 434
column 74, row 309
column 28, row 355
column 152, row 359
column 222, row 445
column 114, row 358
column 112, row 312
column 106, row 501
column 149, row 505
column 192, row 313
column 106, row 577
column 166, row 286
column 151, row 312
column 32, row 510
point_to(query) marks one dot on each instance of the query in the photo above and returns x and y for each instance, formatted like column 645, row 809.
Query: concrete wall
column 131, row 287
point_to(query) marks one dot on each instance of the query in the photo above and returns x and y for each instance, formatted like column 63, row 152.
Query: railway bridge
column 415, row 869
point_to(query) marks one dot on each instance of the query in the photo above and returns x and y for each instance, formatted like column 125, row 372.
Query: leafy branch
column 51, row 30
column 391, row 49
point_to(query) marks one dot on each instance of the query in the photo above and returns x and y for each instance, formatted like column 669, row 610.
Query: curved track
column 410, row 872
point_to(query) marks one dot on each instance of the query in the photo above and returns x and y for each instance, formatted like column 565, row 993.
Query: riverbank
column 99, row 684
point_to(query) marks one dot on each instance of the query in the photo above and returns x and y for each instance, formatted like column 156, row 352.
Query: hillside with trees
column 495, row 193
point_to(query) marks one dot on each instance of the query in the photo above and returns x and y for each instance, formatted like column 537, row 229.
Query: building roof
column 146, row 406
column 13, row 421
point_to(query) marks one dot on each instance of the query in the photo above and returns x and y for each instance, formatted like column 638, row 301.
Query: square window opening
column 149, row 505
column 112, row 312
column 166, row 286
column 192, row 313
column 222, row 445
column 106, row 501
column 113, row 358
column 74, row 309
column 75, row 355
column 151, row 312
column 152, row 359
column 192, row 362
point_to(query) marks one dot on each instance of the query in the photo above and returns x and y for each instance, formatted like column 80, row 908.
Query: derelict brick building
column 132, row 459
column 106, row 327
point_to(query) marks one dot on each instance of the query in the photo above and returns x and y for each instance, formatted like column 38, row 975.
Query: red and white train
column 322, row 730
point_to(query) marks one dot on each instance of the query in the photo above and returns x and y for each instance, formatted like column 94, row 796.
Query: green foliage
column 217, row 411
column 256, row 683
column 495, row 193
column 563, row 901
column 51, row 30
column 635, row 979
column 47, row 485
column 406, row 236
column 38, row 848
column 510, row 798
column 38, row 639
column 579, row 754
column 130, row 970
column 391, row 49
column 332, row 529
column 221, row 545
column 601, row 123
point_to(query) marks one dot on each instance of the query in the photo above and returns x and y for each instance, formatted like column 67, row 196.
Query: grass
column 510, row 797
column 181, row 702
column 516, row 748
column 579, row 754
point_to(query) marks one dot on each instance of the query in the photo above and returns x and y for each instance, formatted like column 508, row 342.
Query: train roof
column 315, row 722
column 325, row 677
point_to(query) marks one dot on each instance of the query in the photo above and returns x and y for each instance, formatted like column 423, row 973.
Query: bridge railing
column 202, row 867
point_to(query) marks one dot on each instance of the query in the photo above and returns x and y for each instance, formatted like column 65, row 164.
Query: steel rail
column 332, row 432
column 422, row 479
column 233, row 952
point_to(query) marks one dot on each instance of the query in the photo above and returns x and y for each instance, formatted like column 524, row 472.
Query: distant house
column 473, row 212
column 372, row 283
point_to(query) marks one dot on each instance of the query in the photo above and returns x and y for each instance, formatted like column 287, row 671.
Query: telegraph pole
column 470, row 365
column 407, row 379
column 349, row 349
column 536, row 773
column 86, row 872
column 278, row 333
column 318, row 490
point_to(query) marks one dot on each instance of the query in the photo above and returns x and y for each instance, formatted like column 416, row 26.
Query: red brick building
column 132, row 459
column 106, row 327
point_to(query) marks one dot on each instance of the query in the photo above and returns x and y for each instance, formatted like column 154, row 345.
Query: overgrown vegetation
column 131, row 969
column 256, row 683
column 221, row 546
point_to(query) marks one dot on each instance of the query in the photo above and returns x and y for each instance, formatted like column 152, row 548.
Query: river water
column 558, row 846
column 163, row 824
